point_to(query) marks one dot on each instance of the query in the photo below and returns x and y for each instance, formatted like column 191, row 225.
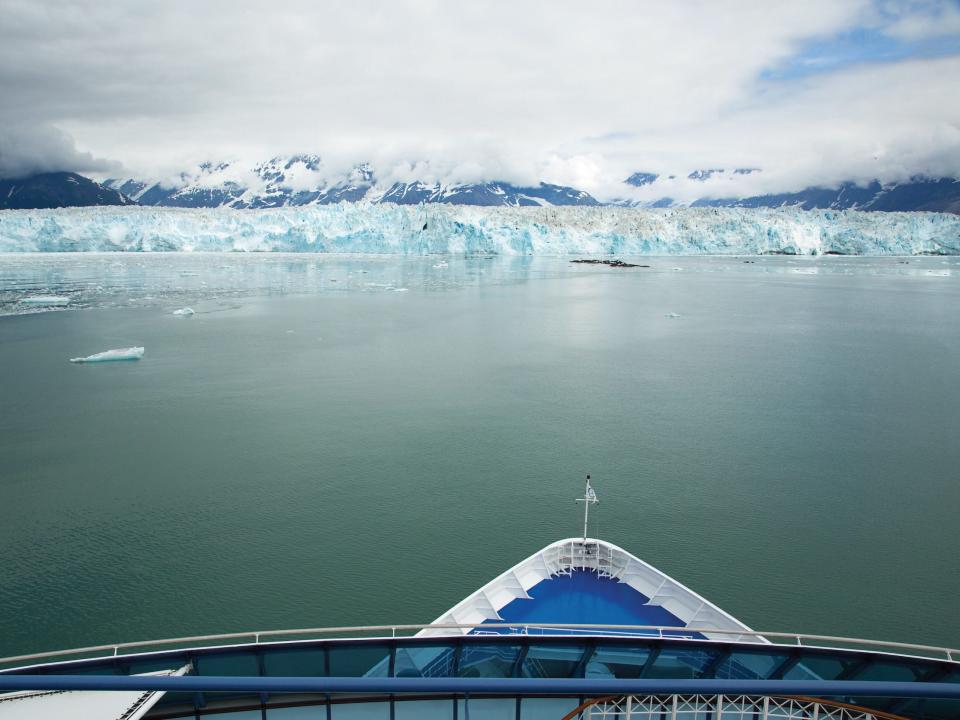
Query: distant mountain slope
column 486, row 194
column 297, row 181
column 939, row 195
column 58, row 189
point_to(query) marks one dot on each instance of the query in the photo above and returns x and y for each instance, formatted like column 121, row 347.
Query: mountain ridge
column 298, row 181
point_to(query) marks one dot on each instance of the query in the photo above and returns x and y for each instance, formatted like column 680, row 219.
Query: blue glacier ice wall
column 427, row 229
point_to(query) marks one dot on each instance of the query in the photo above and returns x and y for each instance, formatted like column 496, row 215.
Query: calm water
column 314, row 447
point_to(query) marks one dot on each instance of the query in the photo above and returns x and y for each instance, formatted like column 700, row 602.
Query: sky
column 581, row 94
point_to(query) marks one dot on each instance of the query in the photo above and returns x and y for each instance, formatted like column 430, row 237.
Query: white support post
column 588, row 499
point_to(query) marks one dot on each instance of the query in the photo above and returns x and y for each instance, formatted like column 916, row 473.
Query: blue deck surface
column 585, row 597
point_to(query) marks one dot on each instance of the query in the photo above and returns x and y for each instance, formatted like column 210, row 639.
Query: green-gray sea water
column 348, row 440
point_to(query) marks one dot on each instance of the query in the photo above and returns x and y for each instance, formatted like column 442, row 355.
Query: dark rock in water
column 611, row 263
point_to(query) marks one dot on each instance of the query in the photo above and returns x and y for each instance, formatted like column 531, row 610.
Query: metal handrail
column 662, row 631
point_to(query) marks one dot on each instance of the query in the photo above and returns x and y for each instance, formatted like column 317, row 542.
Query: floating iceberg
column 45, row 300
column 184, row 311
column 131, row 353
column 472, row 230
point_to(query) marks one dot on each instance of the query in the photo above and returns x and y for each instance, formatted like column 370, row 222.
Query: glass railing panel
column 488, row 660
column 552, row 661
column 488, row 709
column 934, row 709
column 616, row 661
column 229, row 664
column 546, row 708
column 424, row 661
column 681, row 663
column 361, row 711
column 294, row 662
column 360, row 660
column 423, row 710
column 823, row 667
column 890, row 671
column 749, row 666
column 311, row 712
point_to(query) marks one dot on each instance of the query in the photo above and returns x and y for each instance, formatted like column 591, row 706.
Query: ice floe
column 130, row 353
column 45, row 300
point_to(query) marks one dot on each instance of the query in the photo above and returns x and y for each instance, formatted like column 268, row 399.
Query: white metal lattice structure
column 720, row 707
column 607, row 560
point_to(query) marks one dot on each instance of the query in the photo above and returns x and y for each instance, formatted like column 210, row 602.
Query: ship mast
column 589, row 498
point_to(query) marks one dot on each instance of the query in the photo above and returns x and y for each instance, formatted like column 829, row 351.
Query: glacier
column 471, row 230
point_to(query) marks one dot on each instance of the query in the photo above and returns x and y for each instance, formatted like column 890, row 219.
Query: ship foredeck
column 585, row 581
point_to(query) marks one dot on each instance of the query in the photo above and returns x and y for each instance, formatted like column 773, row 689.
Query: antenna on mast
column 589, row 498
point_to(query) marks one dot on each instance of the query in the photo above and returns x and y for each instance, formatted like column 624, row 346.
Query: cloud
column 452, row 92
column 29, row 150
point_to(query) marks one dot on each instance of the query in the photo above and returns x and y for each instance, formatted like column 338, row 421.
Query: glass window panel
column 424, row 710
column 552, row 661
column 681, row 663
column 361, row 711
column 424, row 661
column 360, row 660
column 800, row 671
column 488, row 660
column 230, row 664
column 499, row 709
column 824, row 668
column 294, row 662
column 241, row 715
column 312, row 712
column 749, row 666
column 617, row 662
column 546, row 708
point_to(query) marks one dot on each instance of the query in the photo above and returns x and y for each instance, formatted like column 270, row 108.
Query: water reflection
column 104, row 280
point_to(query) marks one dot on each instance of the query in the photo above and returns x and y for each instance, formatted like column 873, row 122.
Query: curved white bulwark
column 608, row 561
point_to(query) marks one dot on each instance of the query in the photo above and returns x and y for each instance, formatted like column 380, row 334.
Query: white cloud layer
column 559, row 91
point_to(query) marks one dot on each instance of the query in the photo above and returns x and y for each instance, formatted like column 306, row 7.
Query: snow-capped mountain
column 935, row 195
column 917, row 194
column 487, row 194
column 281, row 181
column 299, row 180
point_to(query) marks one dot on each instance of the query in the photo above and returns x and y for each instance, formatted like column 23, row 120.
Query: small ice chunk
column 441, row 265
column 401, row 289
column 46, row 300
column 184, row 311
column 131, row 353
column 672, row 315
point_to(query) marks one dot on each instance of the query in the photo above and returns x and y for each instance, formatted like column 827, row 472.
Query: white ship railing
column 720, row 635
column 732, row 707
